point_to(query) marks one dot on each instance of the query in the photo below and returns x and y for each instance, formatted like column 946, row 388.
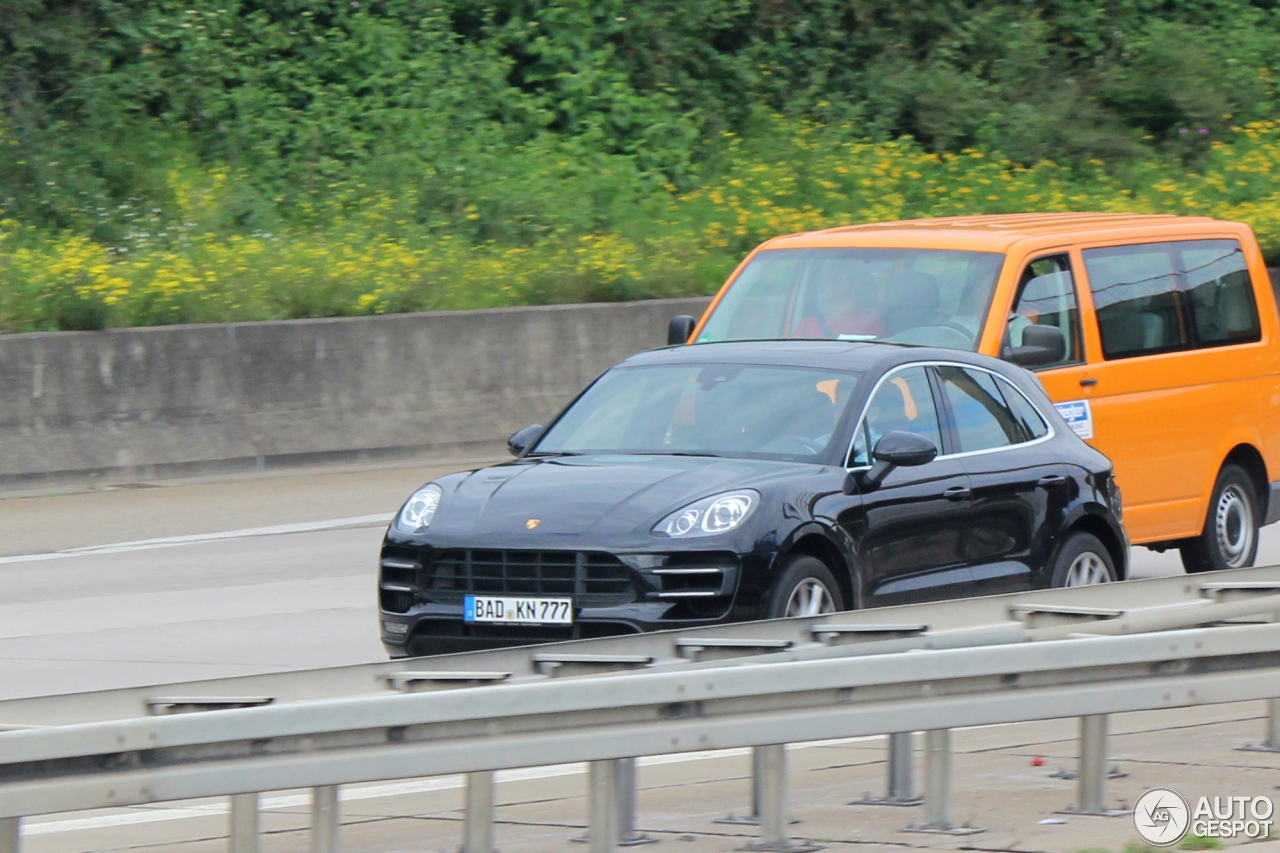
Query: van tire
column 1229, row 539
column 1082, row 561
column 802, row 575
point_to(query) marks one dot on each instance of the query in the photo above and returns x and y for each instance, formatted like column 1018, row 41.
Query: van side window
column 1165, row 297
column 904, row 402
column 1047, row 296
column 1135, row 292
column 978, row 411
column 1219, row 292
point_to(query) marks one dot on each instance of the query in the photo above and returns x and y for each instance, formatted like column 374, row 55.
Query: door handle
column 1086, row 383
column 956, row 493
column 1052, row 481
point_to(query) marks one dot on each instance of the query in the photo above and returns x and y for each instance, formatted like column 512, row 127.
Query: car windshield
column 933, row 297
column 736, row 410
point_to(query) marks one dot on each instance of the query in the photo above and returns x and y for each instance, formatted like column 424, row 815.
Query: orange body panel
column 1167, row 421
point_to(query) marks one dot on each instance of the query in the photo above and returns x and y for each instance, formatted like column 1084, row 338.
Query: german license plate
column 513, row 610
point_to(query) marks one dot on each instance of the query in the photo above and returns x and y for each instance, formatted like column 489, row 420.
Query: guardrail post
column 901, row 785
column 602, row 807
column 244, row 823
column 1272, row 743
column 477, row 826
column 1092, row 788
column 753, row 817
column 10, row 834
column 324, row 819
column 937, row 787
column 1093, row 763
column 775, row 814
column 628, row 835
column 624, row 801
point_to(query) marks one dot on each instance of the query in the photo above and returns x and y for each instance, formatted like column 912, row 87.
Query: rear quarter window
column 1166, row 297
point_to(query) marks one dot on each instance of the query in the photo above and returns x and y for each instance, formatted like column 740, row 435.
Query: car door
column 1019, row 485
column 907, row 531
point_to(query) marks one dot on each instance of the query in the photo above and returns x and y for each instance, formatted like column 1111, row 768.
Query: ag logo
column 1161, row 817
column 532, row 523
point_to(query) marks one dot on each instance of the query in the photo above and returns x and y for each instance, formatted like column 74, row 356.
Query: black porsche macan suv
column 731, row 481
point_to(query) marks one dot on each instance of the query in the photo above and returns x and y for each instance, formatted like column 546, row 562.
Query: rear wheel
column 1082, row 561
column 1230, row 536
column 806, row 588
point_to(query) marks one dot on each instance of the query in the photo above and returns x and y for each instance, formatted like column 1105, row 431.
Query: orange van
column 1156, row 336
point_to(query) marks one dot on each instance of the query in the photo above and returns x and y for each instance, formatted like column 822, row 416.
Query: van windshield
column 932, row 297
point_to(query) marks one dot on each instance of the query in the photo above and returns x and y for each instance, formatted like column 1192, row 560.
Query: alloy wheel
column 810, row 598
column 1087, row 569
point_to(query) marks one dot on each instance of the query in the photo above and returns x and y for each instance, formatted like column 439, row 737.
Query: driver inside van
column 841, row 310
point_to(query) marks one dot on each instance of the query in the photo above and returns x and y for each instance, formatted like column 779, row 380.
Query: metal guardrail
column 1088, row 653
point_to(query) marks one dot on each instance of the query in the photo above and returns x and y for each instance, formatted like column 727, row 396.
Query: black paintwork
column 958, row 525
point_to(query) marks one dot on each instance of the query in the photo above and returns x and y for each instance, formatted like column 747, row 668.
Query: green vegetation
column 169, row 162
column 1201, row 842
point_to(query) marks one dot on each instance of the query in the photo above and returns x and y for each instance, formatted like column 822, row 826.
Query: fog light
column 395, row 627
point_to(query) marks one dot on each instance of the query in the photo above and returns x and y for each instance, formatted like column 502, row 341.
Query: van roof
column 993, row 233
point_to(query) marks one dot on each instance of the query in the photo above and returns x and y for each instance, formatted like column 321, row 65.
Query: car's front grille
column 394, row 600
column 592, row 579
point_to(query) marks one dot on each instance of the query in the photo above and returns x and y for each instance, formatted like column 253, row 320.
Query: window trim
column 1075, row 289
column 945, row 429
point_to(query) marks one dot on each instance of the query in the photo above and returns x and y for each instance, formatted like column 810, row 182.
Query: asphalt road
column 151, row 583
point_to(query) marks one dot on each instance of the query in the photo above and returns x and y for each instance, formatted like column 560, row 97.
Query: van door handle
column 957, row 493
column 1085, row 383
column 1052, row 481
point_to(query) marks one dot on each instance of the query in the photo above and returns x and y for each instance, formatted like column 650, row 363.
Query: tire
column 1230, row 536
column 803, row 573
column 1082, row 561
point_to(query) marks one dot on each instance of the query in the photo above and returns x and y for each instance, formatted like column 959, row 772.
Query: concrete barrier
column 183, row 400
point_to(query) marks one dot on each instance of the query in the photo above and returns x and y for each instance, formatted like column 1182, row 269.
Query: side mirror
column 1040, row 345
column 679, row 329
column 522, row 438
column 897, row 449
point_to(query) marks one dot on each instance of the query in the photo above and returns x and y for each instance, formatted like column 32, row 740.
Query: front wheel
column 805, row 588
column 1082, row 561
column 1230, row 536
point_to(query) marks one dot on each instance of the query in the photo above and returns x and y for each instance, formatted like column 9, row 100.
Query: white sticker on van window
column 1078, row 416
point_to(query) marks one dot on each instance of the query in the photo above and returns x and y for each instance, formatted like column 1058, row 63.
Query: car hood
column 598, row 494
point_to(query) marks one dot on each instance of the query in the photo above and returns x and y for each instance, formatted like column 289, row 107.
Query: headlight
column 420, row 509
column 710, row 516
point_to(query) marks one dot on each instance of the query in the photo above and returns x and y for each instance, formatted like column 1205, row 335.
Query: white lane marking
column 396, row 789
column 196, row 538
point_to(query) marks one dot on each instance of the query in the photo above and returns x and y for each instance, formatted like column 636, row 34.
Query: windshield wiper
column 683, row 453
column 550, row 454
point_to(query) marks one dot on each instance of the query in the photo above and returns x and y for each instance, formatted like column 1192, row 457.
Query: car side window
column 982, row 420
column 1027, row 415
column 1219, row 292
column 904, row 401
column 1047, row 297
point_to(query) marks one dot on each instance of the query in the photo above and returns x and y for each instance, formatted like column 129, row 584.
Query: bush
column 561, row 233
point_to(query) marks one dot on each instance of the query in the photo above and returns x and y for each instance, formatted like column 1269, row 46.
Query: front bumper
column 422, row 589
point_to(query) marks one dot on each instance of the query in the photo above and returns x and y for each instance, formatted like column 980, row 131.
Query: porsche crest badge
column 532, row 523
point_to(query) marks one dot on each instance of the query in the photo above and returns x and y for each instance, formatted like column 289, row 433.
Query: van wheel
column 1230, row 537
column 806, row 588
column 1082, row 561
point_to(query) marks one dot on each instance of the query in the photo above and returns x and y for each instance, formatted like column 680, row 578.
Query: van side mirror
column 1040, row 345
column 897, row 449
column 679, row 329
column 522, row 438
